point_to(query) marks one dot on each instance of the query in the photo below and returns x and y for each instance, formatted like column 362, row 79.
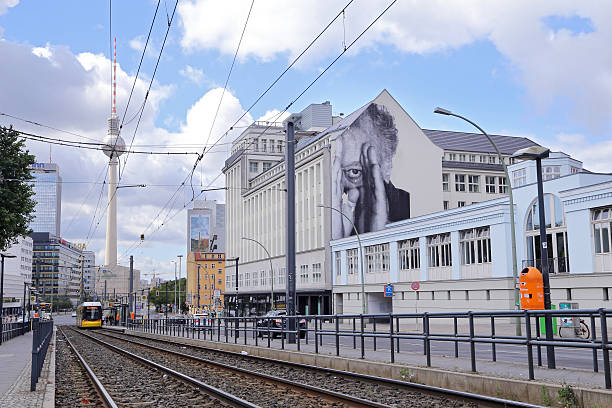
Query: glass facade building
column 48, row 196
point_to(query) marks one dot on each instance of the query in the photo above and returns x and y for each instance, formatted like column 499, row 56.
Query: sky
column 542, row 70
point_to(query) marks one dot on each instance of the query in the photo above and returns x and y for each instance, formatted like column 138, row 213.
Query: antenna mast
column 114, row 107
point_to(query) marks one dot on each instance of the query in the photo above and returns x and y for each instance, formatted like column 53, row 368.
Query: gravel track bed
column 134, row 384
column 73, row 387
column 373, row 391
column 255, row 390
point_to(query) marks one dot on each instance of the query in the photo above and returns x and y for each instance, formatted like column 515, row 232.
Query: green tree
column 159, row 300
column 16, row 203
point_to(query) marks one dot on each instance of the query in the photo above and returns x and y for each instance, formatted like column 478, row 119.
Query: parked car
column 275, row 320
column 73, row 314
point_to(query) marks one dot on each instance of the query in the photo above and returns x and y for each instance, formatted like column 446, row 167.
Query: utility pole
column 198, row 309
column 180, row 257
column 105, row 290
column 82, row 276
column 174, row 284
column 131, row 289
column 290, row 183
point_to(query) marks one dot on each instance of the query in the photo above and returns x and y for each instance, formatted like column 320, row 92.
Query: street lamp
column 442, row 111
column 2, row 292
column 363, row 301
column 538, row 153
column 271, row 270
column 180, row 257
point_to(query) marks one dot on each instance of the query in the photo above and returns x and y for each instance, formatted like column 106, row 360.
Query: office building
column 415, row 170
column 17, row 272
column 89, row 272
column 206, row 248
column 47, row 185
column 56, row 267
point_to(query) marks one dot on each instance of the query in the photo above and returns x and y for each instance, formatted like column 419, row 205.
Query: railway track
column 258, row 388
column 135, row 381
column 386, row 392
column 78, row 386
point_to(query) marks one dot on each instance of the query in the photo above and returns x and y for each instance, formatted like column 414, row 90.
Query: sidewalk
column 15, row 367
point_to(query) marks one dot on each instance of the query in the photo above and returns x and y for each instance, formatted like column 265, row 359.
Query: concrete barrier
column 534, row 392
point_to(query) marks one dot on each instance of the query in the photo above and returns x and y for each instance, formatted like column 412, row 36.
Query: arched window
column 556, row 235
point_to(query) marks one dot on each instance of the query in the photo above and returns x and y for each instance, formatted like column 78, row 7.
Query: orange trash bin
column 531, row 286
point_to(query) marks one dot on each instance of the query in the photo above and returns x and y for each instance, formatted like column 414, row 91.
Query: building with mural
column 375, row 166
column 206, row 256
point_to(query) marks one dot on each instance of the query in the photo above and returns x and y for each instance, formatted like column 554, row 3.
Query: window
column 445, row 177
column 491, row 159
column 459, row 182
column 520, row 177
column 263, row 278
column 445, row 204
column 338, row 261
column 473, row 158
column 460, row 203
column 439, row 250
column 279, row 146
column 602, row 227
column 490, row 184
column 266, row 166
column 409, row 254
column 304, row 273
column 220, row 282
column 574, row 170
column 475, row 246
column 253, row 167
column 503, row 185
column 263, row 145
column 474, row 184
column 462, row 157
column 255, row 145
column 316, row 272
column 352, row 260
column 483, row 159
column 377, row 258
column 551, row 172
column 452, row 157
column 271, row 141
column 212, row 266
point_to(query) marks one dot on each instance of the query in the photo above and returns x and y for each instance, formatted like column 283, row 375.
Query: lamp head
column 442, row 111
column 531, row 153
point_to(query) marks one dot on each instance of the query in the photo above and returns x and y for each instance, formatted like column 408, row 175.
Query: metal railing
column 393, row 330
column 42, row 330
column 14, row 329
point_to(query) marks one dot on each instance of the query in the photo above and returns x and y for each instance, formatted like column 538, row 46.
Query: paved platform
column 15, row 368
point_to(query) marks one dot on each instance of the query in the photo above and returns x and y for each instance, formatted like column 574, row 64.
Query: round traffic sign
column 415, row 285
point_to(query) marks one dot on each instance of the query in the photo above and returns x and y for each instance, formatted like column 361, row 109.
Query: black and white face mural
column 361, row 175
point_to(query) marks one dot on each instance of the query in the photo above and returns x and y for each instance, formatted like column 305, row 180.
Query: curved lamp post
column 442, row 111
column 271, row 270
column 363, row 301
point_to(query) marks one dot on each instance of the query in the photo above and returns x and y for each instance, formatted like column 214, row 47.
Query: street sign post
column 415, row 286
column 389, row 290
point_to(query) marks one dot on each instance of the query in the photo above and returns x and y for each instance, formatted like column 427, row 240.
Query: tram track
column 262, row 389
column 380, row 390
column 133, row 380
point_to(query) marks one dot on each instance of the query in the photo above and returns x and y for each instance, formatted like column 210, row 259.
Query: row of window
column 475, row 249
column 602, row 230
column 471, row 183
column 254, row 166
column 474, row 158
column 519, row 177
column 268, row 145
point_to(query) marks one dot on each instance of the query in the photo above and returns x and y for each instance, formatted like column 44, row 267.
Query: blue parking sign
column 389, row 290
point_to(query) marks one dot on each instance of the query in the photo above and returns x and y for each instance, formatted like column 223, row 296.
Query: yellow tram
column 89, row 315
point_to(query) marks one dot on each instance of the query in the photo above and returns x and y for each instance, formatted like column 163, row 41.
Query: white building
column 17, row 270
column 89, row 272
column 47, row 186
column 418, row 172
column 462, row 257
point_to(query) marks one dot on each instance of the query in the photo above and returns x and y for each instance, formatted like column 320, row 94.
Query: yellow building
column 212, row 281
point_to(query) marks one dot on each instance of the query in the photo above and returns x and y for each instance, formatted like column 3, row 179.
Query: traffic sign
column 415, row 285
column 389, row 290
column 32, row 298
column 157, row 293
column 144, row 297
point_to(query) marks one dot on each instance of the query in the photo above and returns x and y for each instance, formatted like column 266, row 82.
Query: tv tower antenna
column 114, row 107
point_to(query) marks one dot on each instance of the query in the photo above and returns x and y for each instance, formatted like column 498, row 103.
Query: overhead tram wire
column 345, row 49
column 48, row 127
column 74, row 217
column 230, row 72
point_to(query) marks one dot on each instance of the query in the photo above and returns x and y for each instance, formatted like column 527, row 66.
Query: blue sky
column 541, row 71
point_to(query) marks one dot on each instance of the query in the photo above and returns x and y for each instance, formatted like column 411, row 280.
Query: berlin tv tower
column 114, row 146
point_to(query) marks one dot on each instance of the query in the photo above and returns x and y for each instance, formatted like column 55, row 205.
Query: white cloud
column 6, row 4
column 552, row 64
column 273, row 115
column 193, row 74
column 138, row 43
column 72, row 92
column 43, row 52
column 594, row 156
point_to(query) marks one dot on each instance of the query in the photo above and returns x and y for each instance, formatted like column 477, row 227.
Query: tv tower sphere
column 114, row 145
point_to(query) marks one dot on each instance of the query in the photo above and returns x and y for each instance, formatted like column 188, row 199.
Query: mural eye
column 353, row 175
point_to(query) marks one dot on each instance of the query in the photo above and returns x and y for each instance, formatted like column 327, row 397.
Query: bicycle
column 581, row 330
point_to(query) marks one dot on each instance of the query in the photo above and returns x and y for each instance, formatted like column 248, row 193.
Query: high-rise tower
column 114, row 147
